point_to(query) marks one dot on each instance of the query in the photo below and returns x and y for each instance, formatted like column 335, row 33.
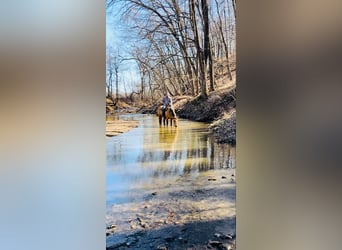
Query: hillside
column 219, row 109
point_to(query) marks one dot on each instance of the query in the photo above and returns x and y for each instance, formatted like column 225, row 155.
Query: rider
column 167, row 101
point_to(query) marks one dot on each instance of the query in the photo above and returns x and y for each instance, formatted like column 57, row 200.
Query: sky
column 128, row 71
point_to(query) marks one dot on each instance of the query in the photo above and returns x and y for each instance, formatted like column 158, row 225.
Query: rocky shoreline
column 224, row 129
column 191, row 213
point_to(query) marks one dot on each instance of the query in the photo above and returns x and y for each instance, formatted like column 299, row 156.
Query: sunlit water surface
column 150, row 155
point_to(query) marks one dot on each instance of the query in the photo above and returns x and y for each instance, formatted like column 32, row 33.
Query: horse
column 170, row 114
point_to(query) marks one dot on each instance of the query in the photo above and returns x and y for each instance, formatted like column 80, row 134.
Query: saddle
column 164, row 108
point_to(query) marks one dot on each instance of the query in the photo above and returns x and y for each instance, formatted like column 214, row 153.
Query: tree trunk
column 211, row 71
column 206, row 50
column 117, row 83
column 234, row 7
column 200, row 58
column 224, row 41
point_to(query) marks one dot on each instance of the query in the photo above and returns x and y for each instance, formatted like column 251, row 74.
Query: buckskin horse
column 170, row 114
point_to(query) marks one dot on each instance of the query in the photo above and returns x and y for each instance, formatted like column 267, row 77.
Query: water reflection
column 151, row 154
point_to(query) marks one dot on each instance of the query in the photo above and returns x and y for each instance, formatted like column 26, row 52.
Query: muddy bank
column 195, row 212
column 210, row 109
column 119, row 126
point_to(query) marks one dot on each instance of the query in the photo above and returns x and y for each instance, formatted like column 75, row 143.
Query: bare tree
column 177, row 43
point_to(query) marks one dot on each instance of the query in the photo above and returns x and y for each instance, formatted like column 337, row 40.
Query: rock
column 211, row 179
column 154, row 193
column 111, row 226
column 215, row 243
column 131, row 241
column 229, row 236
column 229, row 247
column 169, row 239
column 163, row 247
column 224, row 177
column 217, row 235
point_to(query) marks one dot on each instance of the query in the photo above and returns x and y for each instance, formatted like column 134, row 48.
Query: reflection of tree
column 221, row 155
column 116, row 151
column 170, row 151
column 160, row 152
column 211, row 148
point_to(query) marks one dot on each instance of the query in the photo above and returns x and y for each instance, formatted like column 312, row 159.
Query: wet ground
column 169, row 188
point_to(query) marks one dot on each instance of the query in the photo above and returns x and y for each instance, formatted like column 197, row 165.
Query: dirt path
column 117, row 127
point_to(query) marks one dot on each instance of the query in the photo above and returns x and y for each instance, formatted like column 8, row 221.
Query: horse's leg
column 170, row 122
column 160, row 120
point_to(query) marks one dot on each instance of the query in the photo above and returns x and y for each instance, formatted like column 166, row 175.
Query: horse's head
column 176, row 122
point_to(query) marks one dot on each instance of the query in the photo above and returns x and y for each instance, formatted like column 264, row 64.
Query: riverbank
column 195, row 212
column 119, row 126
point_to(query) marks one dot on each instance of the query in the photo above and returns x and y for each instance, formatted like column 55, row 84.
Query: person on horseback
column 167, row 101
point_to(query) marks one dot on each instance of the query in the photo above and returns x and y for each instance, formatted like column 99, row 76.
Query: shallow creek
column 169, row 187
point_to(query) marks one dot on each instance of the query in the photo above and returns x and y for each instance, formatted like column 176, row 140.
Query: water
column 149, row 156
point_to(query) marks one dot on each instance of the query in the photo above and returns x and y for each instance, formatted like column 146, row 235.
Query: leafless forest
column 185, row 47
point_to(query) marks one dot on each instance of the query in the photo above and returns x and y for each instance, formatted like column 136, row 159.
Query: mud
column 117, row 127
column 193, row 212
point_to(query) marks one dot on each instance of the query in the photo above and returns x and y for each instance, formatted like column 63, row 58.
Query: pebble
column 111, row 226
column 228, row 236
column 162, row 248
column 217, row 235
column 211, row 179
column 215, row 243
